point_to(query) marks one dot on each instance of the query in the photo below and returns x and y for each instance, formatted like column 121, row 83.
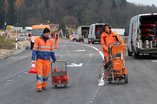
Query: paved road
column 18, row 87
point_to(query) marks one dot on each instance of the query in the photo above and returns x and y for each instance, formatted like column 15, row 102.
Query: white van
column 142, row 35
column 95, row 32
column 75, row 36
column 82, row 31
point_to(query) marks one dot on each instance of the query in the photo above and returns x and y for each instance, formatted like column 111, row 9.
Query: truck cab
column 37, row 30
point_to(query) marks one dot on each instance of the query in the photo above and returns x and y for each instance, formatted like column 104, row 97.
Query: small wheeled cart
column 59, row 75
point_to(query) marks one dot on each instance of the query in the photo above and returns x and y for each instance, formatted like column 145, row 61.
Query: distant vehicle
column 10, row 28
column 95, row 32
column 143, row 35
column 18, row 29
column 27, row 30
column 82, row 31
column 75, row 36
column 37, row 30
column 118, row 31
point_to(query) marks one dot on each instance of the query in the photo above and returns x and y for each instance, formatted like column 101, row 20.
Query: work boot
column 44, row 88
column 39, row 90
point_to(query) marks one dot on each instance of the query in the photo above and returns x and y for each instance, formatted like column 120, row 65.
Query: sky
column 144, row 2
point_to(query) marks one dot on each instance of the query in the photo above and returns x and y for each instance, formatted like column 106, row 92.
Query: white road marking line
column 101, row 82
column 91, row 54
column 75, row 65
column 80, row 50
column 26, row 72
column 154, row 61
column 9, row 80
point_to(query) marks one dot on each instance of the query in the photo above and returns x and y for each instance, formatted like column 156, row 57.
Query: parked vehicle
column 37, row 30
column 95, row 32
column 82, row 31
column 27, row 30
column 143, row 35
column 75, row 36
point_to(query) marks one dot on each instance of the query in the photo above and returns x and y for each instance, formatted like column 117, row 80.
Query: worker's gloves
column 33, row 63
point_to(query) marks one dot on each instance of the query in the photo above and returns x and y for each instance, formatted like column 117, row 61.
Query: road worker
column 108, row 37
column 56, row 39
column 42, row 51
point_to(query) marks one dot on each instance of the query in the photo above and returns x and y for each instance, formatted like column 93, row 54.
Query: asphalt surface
column 18, row 87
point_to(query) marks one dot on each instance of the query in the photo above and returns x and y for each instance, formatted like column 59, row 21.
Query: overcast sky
column 144, row 2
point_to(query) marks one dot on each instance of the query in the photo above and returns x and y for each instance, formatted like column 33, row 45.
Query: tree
column 5, row 9
column 18, row 4
column 114, row 4
column 123, row 3
column 1, row 14
column 62, row 26
column 11, row 19
column 70, row 20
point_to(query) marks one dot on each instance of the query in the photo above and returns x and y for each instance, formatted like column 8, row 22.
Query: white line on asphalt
column 102, row 55
column 75, row 65
column 101, row 81
column 91, row 54
column 9, row 80
column 80, row 50
column 155, row 61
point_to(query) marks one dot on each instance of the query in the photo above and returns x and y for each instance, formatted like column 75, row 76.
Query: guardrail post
column 16, row 47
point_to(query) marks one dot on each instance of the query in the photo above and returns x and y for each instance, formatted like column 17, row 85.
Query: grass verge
column 8, row 44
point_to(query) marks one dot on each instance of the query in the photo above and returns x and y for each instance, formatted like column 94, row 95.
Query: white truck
column 75, row 36
column 82, row 31
column 142, row 37
column 95, row 32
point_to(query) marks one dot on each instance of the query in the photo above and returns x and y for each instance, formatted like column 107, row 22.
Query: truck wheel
column 126, row 78
column 92, row 40
column 89, row 41
column 55, row 86
column 129, row 53
column 136, row 55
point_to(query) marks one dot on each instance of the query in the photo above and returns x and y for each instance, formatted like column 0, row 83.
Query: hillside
column 71, row 12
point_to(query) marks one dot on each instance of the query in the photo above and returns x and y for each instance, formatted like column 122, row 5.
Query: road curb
column 13, row 52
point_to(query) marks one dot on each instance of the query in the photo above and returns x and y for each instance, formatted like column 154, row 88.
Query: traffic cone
column 98, row 49
column 80, row 43
column 55, row 69
column 32, row 69
column 90, row 44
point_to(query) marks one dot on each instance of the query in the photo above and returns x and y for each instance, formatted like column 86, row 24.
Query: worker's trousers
column 56, row 43
column 43, row 71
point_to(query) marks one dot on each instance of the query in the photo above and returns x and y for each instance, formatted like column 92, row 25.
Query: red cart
column 59, row 75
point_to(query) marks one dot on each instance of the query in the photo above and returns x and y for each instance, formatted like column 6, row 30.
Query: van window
column 37, row 32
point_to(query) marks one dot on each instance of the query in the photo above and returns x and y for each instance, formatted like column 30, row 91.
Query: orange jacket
column 55, row 36
column 106, row 39
column 43, row 50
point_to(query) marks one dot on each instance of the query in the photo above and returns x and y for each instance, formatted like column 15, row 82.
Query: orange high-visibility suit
column 106, row 39
column 42, row 51
column 56, row 39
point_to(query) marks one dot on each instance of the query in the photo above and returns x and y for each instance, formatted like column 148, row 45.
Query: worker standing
column 56, row 39
column 108, row 37
column 42, row 51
